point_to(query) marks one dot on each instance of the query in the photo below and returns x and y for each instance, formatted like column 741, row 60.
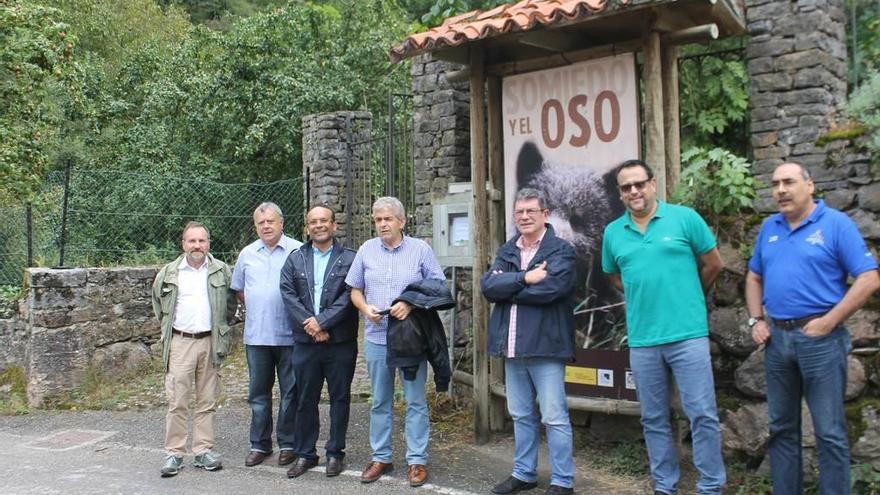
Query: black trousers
column 314, row 363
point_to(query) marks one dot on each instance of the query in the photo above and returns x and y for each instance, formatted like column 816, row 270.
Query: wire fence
column 120, row 218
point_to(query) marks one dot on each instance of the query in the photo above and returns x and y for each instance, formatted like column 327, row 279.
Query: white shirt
column 193, row 311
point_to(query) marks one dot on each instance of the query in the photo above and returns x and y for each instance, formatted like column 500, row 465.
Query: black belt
column 792, row 324
column 199, row 335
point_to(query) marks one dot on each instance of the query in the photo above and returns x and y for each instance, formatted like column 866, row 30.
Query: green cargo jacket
column 222, row 300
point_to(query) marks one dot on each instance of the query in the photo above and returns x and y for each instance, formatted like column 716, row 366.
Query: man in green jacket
column 191, row 299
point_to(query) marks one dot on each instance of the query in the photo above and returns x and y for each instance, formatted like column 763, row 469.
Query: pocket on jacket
column 223, row 341
column 166, row 299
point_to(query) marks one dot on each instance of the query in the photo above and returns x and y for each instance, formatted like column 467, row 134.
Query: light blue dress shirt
column 382, row 274
column 258, row 273
column 320, row 264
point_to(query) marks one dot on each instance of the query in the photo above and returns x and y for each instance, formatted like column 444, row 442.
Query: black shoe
column 301, row 465
column 559, row 490
column 512, row 485
column 334, row 467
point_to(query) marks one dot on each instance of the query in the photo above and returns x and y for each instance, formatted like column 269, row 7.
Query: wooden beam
column 671, row 117
column 497, row 406
column 480, row 236
column 655, row 148
column 509, row 68
column 554, row 41
column 696, row 34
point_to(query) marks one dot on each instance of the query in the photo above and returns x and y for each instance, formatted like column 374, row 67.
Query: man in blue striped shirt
column 381, row 270
column 268, row 334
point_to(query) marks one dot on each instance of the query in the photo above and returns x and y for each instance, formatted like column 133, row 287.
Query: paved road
column 103, row 452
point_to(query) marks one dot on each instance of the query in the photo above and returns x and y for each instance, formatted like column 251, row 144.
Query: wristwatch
column 753, row 320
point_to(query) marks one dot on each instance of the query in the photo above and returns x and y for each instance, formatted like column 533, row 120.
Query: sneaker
column 208, row 460
column 172, row 466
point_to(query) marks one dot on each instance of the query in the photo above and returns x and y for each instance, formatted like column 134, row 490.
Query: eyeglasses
column 639, row 185
column 529, row 212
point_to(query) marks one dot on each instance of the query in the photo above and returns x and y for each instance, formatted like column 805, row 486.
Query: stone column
column 336, row 170
column 797, row 63
column 441, row 133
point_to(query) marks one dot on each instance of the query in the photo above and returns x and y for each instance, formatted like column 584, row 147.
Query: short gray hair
column 527, row 193
column 268, row 205
column 390, row 203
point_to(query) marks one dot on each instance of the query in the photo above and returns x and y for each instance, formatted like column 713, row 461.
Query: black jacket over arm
column 421, row 335
column 338, row 315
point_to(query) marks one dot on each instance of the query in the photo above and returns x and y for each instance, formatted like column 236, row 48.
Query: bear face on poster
column 565, row 129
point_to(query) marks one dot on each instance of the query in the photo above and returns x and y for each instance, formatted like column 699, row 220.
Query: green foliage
column 443, row 9
column 35, row 64
column 623, row 459
column 714, row 96
column 865, row 479
column 716, row 183
column 866, row 57
column 864, row 107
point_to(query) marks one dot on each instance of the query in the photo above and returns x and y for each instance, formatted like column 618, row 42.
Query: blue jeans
column 263, row 363
column 689, row 362
column 417, row 429
column 814, row 368
column 544, row 379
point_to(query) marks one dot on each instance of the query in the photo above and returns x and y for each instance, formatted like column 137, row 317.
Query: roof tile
column 507, row 18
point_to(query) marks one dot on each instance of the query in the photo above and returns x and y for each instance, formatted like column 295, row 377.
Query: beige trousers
column 190, row 360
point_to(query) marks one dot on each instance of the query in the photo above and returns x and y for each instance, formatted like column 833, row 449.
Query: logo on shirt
column 773, row 238
column 667, row 238
column 816, row 238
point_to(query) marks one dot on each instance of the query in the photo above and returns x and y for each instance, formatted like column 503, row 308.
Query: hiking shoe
column 208, row 460
column 172, row 466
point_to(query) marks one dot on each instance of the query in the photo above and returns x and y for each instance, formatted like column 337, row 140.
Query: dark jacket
column 544, row 315
column 338, row 315
column 421, row 335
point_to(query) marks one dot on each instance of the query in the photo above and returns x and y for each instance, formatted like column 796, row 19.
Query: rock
column 867, row 223
column 864, row 327
column 856, row 377
column 615, row 428
column 56, row 277
column 750, row 378
column 733, row 259
column 869, row 197
column 867, row 448
column 840, row 199
column 746, row 431
column 120, row 358
column 728, row 326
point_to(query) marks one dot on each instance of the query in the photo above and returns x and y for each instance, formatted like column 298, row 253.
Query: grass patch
column 622, row 459
column 13, row 392
column 102, row 391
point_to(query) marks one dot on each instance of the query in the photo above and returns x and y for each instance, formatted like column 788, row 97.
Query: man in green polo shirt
column 664, row 258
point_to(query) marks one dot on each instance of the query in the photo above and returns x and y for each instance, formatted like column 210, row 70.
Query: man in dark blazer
column 532, row 328
column 325, row 323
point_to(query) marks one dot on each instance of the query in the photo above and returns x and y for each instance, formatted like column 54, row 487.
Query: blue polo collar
column 817, row 213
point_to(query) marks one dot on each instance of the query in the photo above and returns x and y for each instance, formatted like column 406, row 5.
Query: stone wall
column 336, row 169
column 85, row 317
column 13, row 334
column 441, row 134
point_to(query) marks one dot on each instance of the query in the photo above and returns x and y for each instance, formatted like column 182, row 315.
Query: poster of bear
column 565, row 129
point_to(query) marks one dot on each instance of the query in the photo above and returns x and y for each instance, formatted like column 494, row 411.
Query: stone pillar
column 336, row 170
column 441, row 134
column 797, row 63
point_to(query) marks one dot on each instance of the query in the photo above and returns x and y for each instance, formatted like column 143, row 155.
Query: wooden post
column 480, row 236
column 655, row 147
column 671, row 117
column 497, row 406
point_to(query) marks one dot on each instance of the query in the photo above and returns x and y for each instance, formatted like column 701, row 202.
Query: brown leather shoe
column 285, row 457
column 255, row 457
column 375, row 470
column 418, row 475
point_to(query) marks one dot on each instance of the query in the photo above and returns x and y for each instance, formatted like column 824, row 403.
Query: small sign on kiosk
column 601, row 373
column 452, row 226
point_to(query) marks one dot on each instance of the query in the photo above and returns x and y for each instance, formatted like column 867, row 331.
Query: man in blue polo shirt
column 268, row 335
column 664, row 257
column 798, row 272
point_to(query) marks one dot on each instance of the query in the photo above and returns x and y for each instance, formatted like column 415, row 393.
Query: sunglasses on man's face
column 639, row 185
